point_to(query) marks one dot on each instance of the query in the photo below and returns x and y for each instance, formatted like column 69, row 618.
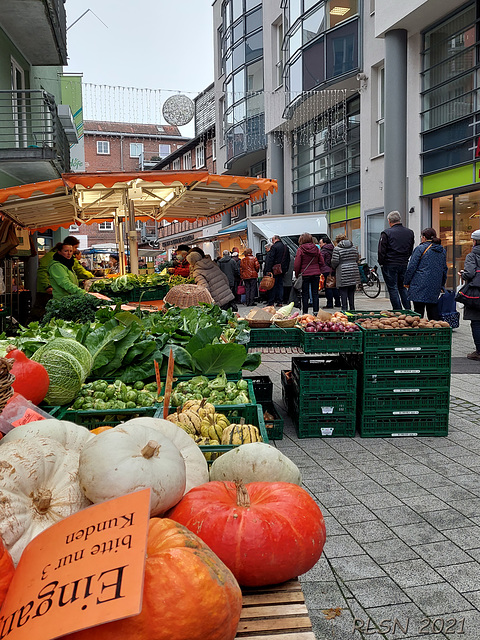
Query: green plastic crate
column 324, row 375
column 408, row 383
column 263, row 388
column 54, row 411
column 395, row 426
column 407, row 362
column 331, row 342
column 274, row 337
column 274, row 427
column 247, row 411
column 407, row 340
column 108, row 418
column 287, row 390
column 355, row 315
column 413, row 404
column 230, row 376
column 325, row 426
column 324, row 405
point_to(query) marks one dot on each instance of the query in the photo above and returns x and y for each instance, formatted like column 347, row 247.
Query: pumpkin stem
column 42, row 500
column 243, row 499
column 150, row 449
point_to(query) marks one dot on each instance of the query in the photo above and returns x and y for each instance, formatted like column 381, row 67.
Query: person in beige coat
column 209, row 275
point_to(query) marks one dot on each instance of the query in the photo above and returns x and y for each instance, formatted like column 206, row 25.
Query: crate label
column 405, row 413
column 327, row 409
column 326, row 431
column 406, row 371
column 408, row 348
column 404, row 434
column 406, row 391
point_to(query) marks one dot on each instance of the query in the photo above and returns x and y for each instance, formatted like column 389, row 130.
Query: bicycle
column 370, row 282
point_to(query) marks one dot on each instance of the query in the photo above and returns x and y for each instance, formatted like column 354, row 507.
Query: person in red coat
column 182, row 267
column 308, row 262
column 249, row 268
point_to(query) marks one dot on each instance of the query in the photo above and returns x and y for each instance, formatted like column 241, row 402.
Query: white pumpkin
column 38, row 487
column 196, row 465
column 128, row 458
column 255, row 462
column 72, row 436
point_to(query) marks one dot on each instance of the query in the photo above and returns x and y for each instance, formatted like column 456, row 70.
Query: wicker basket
column 288, row 323
column 188, row 295
column 259, row 324
column 6, row 381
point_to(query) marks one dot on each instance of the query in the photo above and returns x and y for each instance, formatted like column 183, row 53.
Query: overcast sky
column 148, row 44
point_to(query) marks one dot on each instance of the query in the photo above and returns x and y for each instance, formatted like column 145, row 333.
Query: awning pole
column 132, row 238
column 121, row 246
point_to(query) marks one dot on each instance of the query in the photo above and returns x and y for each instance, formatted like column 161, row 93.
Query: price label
column 408, row 348
column 326, row 431
column 394, row 435
column 406, row 390
column 327, row 409
column 406, row 371
column 81, row 572
column 405, row 413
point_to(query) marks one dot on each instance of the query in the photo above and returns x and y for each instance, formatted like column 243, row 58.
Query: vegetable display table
column 271, row 612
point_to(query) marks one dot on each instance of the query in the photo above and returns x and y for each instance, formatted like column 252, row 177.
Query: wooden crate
column 278, row 613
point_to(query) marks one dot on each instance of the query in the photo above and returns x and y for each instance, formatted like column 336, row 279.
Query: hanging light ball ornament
column 178, row 110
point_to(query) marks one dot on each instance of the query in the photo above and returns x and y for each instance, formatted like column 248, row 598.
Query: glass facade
column 242, row 66
column 326, row 161
column 321, row 43
column 451, row 82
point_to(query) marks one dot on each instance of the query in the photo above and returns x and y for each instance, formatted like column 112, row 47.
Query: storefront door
column 455, row 218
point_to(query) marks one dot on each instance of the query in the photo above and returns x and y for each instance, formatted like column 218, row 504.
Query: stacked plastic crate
column 405, row 382
column 324, row 397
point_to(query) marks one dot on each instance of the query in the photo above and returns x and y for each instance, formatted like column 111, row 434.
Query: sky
column 163, row 45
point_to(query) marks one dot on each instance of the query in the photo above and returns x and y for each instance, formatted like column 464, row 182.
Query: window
column 105, row 226
column 176, row 164
column 339, row 11
column 164, row 150
column 214, row 149
column 187, row 160
column 103, row 147
column 381, row 111
column 278, row 57
column 136, row 149
column 199, row 155
column 138, row 225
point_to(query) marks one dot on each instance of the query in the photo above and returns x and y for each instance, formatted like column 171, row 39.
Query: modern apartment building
column 357, row 108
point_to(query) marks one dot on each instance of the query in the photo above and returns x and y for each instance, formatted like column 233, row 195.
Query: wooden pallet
column 276, row 613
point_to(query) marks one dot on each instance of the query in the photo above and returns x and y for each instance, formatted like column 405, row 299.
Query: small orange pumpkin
column 7, row 570
column 188, row 593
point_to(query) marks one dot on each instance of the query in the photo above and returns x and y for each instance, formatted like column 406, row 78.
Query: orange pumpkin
column 188, row 594
column 7, row 570
column 99, row 430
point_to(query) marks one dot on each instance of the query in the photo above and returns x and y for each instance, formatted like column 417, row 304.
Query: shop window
column 103, row 147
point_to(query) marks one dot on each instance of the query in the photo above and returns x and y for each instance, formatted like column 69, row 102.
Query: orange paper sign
column 81, row 572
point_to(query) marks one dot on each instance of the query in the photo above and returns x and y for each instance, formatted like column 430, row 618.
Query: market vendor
column 44, row 288
column 63, row 279
column 113, row 263
column 181, row 268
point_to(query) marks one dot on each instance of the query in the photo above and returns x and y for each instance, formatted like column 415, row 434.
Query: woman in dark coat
column 308, row 262
column 331, row 293
column 471, row 266
column 345, row 262
column 426, row 274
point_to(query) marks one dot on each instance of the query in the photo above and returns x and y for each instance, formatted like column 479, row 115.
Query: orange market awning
column 78, row 198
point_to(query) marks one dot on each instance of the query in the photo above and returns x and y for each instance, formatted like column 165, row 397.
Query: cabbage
column 71, row 346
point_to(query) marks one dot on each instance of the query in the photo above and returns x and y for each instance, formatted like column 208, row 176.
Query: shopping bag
column 331, row 281
column 297, row 285
column 446, row 302
column 453, row 319
column 321, row 282
column 241, row 289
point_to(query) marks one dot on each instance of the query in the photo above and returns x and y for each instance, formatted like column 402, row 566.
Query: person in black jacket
column 278, row 255
column 394, row 250
column 230, row 268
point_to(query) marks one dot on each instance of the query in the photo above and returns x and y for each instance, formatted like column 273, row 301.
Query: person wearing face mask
column 63, row 279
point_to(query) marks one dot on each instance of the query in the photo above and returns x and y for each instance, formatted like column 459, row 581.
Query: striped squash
column 241, row 434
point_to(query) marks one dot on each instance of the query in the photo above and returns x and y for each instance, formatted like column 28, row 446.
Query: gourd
column 270, row 532
column 38, row 487
column 131, row 457
column 196, row 466
column 7, row 570
column 188, row 593
column 190, row 419
column 31, row 378
column 72, row 436
column 255, row 462
column 240, row 434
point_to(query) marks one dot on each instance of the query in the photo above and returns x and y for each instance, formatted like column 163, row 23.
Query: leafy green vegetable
column 79, row 308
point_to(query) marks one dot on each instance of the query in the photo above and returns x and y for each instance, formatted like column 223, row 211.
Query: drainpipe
column 121, row 152
column 395, row 164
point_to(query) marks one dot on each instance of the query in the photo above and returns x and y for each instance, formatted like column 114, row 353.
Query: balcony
column 33, row 143
column 38, row 28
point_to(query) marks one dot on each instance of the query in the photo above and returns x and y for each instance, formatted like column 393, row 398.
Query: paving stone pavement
column 402, row 557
